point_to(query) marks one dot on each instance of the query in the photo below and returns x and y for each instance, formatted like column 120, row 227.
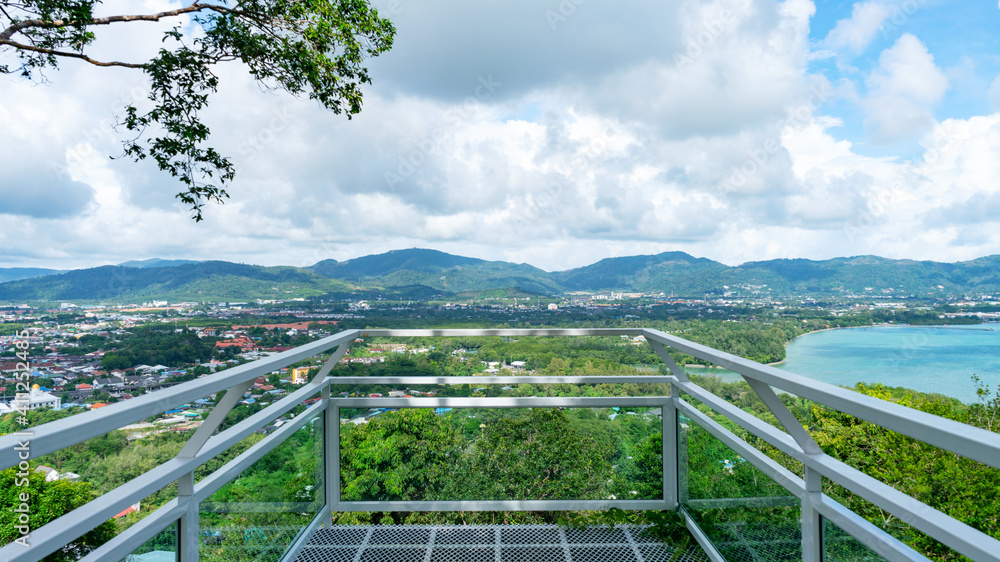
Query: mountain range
column 422, row 274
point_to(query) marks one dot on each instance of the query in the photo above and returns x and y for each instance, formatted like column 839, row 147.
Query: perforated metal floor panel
column 493, row 543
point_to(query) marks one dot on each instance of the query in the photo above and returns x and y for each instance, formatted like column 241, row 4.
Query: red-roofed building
column 134, row 508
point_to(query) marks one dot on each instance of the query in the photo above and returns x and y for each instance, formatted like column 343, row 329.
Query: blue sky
column 967, row 50
column 552, row 132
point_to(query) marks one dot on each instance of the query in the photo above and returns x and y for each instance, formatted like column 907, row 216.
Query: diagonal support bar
column 214, row 420
column 332, row 362
column 664, row 356
column 785, row 416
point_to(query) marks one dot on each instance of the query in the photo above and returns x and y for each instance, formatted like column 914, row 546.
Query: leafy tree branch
column 315, row 48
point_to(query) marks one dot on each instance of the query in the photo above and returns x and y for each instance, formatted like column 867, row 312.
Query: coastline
column 882, row 325
column 954, row 379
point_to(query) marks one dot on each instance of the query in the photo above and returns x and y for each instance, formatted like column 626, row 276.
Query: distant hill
column 437, row 270
column 16, row 273
column 668, row 272
column 682, row 274
column 860, row 274
column 213, row 280
column 419, row 274
column 156, row 262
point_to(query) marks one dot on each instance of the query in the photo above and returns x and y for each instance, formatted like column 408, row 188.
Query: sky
column 549, row 132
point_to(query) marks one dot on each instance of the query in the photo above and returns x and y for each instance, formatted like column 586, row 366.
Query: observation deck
column 715, row 466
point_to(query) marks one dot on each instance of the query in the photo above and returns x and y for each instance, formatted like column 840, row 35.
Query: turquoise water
column 928, row 359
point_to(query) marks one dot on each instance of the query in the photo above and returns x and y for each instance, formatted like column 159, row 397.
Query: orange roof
column 128, row 510
column 98, row 405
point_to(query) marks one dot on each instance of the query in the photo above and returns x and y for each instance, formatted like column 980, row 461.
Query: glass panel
column 745, row 514
column 161, row 548
column 502, row 454
column 259, row 514
column 898, row 528
column 839, row 546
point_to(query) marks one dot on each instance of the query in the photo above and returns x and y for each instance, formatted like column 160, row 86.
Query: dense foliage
column 157, row 347
column 47, row 501
column 955, row 485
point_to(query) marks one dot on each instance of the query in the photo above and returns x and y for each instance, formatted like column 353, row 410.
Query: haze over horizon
column 554, row 134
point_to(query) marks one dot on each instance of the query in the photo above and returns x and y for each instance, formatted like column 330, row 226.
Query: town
column 80, row 354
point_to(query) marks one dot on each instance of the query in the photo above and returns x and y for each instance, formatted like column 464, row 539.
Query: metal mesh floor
column 489, row 543
column 768, row 542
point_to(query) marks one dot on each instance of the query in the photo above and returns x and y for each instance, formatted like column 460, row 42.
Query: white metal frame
column 968, row 441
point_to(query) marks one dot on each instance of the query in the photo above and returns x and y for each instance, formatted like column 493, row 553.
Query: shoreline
column 958, row 389
column 883, row 325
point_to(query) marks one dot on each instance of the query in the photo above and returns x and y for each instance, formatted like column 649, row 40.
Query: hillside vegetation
column 419, row 274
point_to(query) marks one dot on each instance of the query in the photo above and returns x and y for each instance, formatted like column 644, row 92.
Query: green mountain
column 681, row 274
column 418, row 274
column 871, row 274
column 17, row 273
column 437, row 270
column 669, row 272
column 213, row 280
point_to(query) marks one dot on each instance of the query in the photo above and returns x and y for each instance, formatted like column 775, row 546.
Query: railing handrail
column 963, row 439
column 59, row 434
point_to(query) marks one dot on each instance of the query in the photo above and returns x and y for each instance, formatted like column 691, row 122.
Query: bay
column 939, row 359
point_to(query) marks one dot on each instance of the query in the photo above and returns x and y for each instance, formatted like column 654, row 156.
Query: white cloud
column 618, row 132
column 854, row 34
column 902, row 91
column 740, row 65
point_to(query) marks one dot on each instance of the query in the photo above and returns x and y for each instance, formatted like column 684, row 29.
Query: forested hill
column 670, row 272
column 440, row 271
column 421, row 274
column 17, row 273
column 681, row 274
column 200, row 281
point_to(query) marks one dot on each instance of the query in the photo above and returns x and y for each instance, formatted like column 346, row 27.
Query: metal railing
column 817, row 509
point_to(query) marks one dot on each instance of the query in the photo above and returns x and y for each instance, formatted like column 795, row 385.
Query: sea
column 939, row 359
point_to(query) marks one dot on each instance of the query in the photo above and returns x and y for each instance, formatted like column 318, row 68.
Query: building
column 300, row 375
column 36, row 399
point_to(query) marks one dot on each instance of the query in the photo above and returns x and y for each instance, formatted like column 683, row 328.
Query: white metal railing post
column 681, row 447
column 668, row 414
column 812, row 524
column 187, row 531
column 331, row 433
column 332, row 461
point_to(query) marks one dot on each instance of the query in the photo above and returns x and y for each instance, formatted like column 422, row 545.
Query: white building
column 36, row 399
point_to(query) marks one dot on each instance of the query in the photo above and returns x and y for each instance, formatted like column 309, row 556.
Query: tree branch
column 80, row 56
column 52, row 24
